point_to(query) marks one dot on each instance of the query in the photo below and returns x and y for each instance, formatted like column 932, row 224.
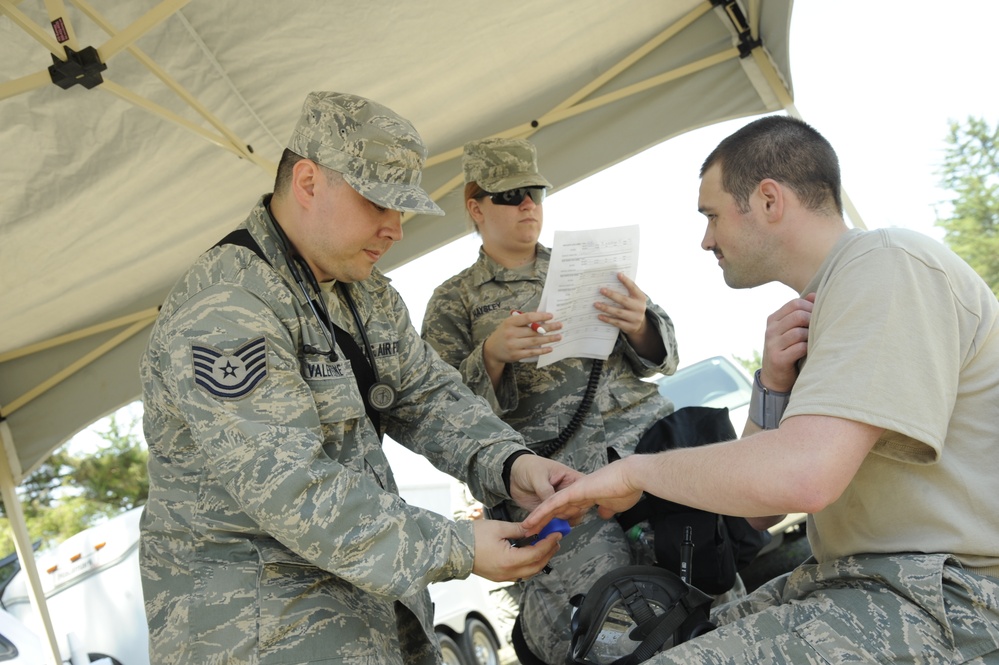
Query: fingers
column 521, row 336
column 629, row 284
column 786, row 342
column 497, row 559
column 534, row 326
column 525, row 319
column 530, row 560
column 534, row 478
column 563, row 477
column 626, row 311
column 563, row 504
column 507, row 530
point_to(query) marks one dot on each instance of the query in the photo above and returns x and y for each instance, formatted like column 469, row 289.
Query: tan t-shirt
column 905, row 336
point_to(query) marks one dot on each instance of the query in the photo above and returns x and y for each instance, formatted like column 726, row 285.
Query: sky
column 881, row 80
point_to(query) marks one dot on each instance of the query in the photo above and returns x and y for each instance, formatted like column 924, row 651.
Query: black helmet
column 634, row 612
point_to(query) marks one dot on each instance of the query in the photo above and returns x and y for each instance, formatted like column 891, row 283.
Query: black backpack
column 722, row 544
column 633, row 613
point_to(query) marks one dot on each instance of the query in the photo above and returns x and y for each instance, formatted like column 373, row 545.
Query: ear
column 474, row 208
column 772, row 195
column 304, row 176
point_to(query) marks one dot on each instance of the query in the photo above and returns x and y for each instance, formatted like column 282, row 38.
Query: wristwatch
column 766, row 407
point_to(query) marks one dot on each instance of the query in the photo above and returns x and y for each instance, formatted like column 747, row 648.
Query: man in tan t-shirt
column 888, row 428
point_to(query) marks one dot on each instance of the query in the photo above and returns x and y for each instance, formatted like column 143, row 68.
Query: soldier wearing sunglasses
column 484, row 322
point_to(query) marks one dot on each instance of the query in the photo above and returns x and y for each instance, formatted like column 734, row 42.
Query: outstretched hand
column 610, row 488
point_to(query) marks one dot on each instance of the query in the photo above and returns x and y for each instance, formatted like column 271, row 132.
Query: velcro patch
column 230, row 375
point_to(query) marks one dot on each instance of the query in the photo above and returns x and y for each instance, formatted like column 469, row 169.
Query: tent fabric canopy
column 111, row 191
column 134, row 135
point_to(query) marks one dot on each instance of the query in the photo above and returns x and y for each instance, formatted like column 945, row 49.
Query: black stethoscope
column 381, row 395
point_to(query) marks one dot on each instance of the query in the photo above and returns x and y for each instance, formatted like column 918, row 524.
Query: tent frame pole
column 9, row 480
column 79, row 364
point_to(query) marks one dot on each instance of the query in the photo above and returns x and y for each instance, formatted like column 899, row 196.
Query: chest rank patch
column 230, row 375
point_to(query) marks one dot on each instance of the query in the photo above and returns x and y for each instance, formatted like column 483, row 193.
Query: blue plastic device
column 556, row 524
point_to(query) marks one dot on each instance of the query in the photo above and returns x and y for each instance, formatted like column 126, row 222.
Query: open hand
column 609, row 487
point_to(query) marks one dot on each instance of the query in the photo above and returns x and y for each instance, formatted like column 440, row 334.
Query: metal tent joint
column 79, row 68
column 740, row 25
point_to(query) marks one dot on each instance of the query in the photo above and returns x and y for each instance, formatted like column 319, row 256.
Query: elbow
column 813, row 492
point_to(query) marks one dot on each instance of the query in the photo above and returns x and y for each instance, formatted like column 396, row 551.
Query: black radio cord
column 555, row 445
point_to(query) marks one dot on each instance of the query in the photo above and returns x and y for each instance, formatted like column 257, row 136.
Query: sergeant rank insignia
column 230, row 375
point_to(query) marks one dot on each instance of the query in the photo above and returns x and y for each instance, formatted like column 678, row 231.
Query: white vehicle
column 93, row 593
column 464, row 622
column 715, row 382
column 18, row 645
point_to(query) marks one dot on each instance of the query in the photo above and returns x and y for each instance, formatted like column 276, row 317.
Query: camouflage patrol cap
column 501, row 164
column 379, row 153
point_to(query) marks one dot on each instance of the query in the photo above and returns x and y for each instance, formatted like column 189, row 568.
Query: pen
column 536, row 327
column 686, row 554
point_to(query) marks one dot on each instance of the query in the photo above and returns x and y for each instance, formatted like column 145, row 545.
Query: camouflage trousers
column 862, row 609
column 593, row 548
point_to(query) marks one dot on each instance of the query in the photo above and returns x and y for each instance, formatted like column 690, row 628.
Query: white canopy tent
column 107, row 198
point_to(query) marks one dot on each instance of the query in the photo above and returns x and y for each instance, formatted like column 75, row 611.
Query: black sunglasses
column 514, row 197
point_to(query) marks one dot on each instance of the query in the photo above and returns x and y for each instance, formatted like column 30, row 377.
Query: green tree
column 750, row 364
column 971, row 171
column 71, row 491
column 115, row 478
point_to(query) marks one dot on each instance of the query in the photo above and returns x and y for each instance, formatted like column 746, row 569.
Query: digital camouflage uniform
column 538, row 403
column 860, row 609
column 273, row 531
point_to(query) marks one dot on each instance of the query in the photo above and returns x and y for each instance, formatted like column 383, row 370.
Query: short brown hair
column 784, row 149
column 282, row 181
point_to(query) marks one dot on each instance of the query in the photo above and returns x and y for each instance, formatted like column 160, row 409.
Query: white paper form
column 582, row 262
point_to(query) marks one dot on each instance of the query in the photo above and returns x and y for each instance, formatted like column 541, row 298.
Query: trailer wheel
column 479, row 644
column 451, row 653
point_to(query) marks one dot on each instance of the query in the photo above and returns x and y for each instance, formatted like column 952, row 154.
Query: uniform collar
column 486, row 270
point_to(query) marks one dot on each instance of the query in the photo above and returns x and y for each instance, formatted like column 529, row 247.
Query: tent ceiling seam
column 225, row 139
column 127, row 36
column 225, row 77
column 642, row 51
